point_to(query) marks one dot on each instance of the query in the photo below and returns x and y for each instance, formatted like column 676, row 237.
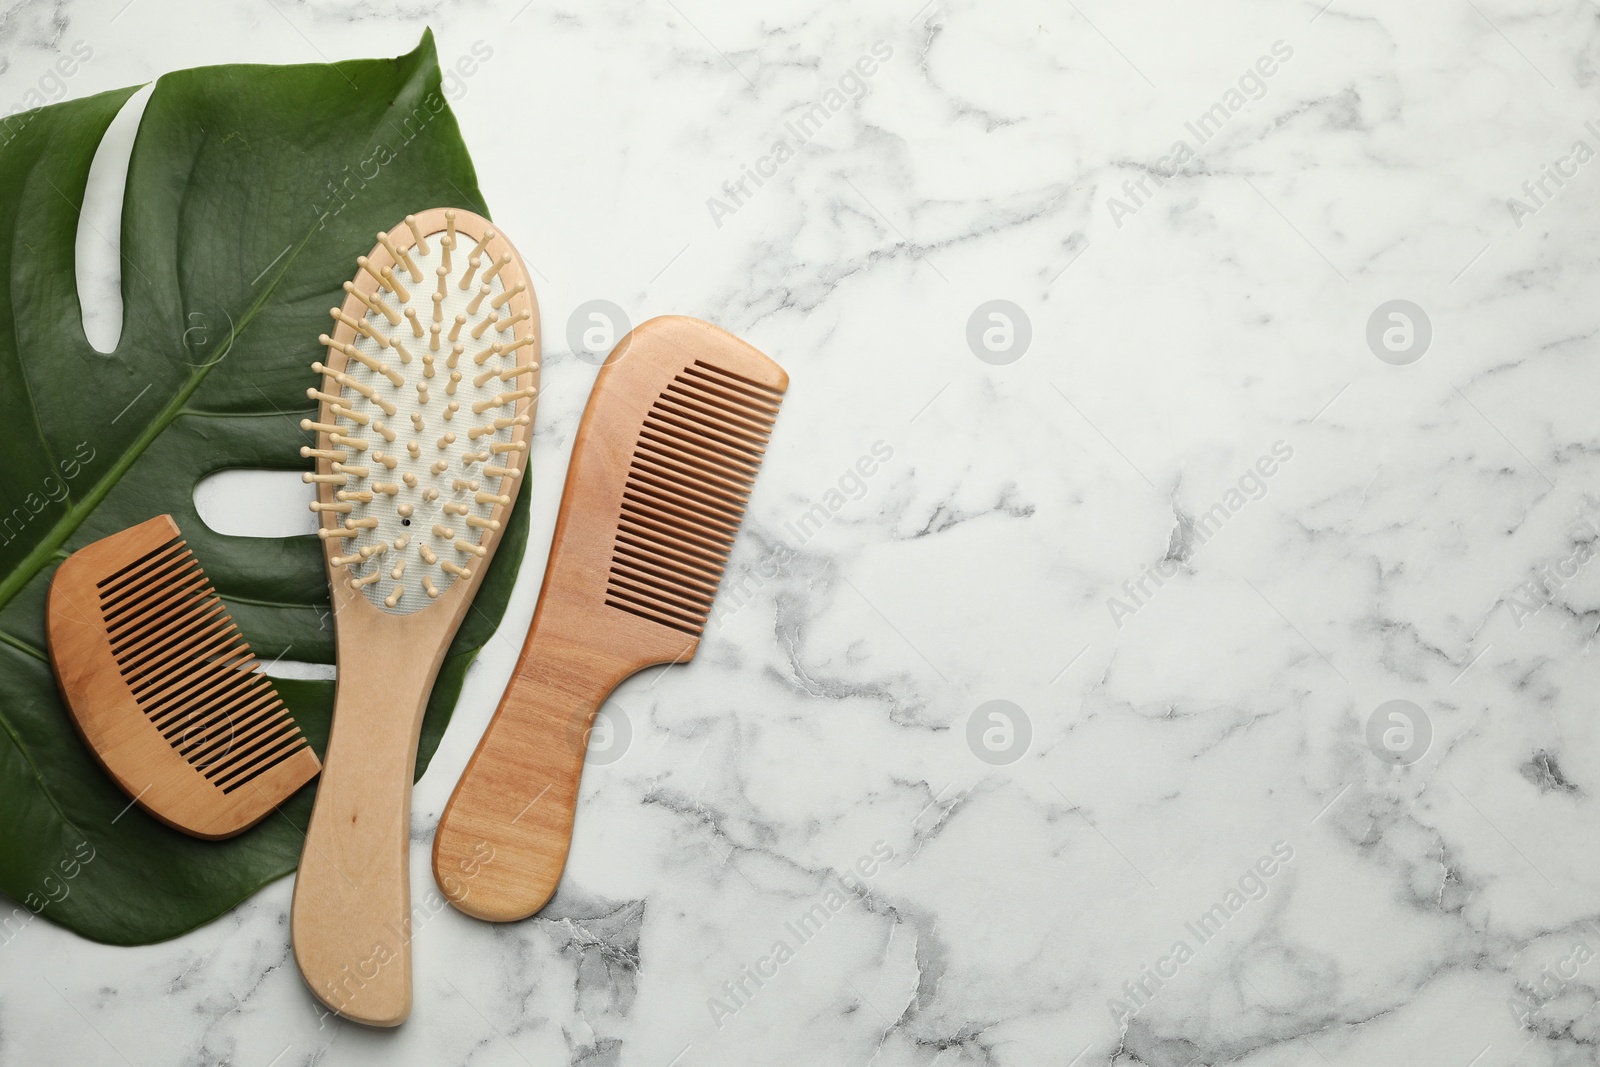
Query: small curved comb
column 163, row 687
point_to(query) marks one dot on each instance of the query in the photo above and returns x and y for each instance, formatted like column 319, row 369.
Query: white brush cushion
column 419, row 529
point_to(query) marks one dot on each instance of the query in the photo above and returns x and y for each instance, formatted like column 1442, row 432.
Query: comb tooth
column 182, row 704
column 701, row 531
column 675, row 523
column 141, row 588
column 746, row 392
column 704, row 455
column 184, row 600
column 657, row 599
column 265, row 767
column 685, row 521
column 688, row 481
column 218, row 723
column 234, row 772
column 736, row 427
column 246, row 773
column 181, row 689
column 668, row 590
column 266, row 730
column 671, row 437
column 108, row 585
column 216, row 702
column 238, row 733
column 706, row 561
column 758, row 393
column 648, row 608
column 642, row 566
column 692, row 425
column 135, row 643
column 731, row 394
column 185, row 694
column 710, row 526
column 193, row 625
column 751, row 434
column 167, row 588
column 669, row 542
column 641, row 548
column 652, row 453
column 193, row 644
column 715, row 492
column 231, row 734
column 711, row 504
column 658, row 534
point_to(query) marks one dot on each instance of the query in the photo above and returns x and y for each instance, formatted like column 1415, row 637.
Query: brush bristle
column 691, row 475
column 190, row 670
column 428, row 391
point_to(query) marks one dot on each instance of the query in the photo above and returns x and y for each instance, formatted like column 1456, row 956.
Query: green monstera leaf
column 250, row 192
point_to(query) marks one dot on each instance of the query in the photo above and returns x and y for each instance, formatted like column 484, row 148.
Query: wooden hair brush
column 664, row 461
column 164, row 689
column 426, row 403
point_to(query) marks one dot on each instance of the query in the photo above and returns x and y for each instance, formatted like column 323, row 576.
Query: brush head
column 429, row 385
column 165, row 690
column 668, row 453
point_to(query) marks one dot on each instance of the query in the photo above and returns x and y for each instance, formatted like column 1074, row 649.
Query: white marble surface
column 1176, row 339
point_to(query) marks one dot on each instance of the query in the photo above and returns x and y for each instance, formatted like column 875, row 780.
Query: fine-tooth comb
column 163, row 688
column 426, row 403
column 664, row 461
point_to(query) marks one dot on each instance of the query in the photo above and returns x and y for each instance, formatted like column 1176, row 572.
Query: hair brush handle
column 503, row 838
column 351, row 917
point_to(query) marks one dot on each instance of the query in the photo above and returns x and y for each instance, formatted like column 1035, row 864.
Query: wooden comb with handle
column 664, row 461
column 163, row 688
